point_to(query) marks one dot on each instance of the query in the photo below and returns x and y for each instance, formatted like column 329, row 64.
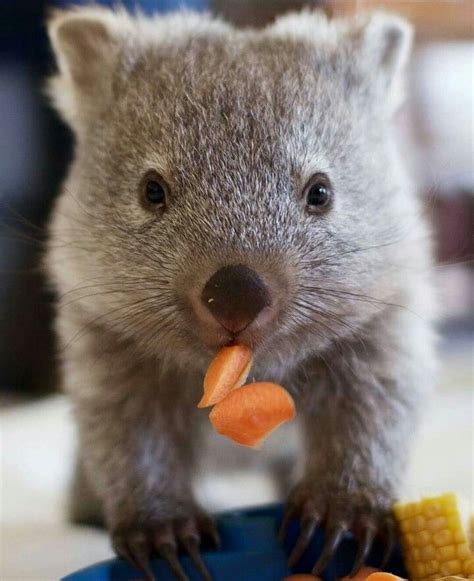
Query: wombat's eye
column 318, row 194
column 153, row 191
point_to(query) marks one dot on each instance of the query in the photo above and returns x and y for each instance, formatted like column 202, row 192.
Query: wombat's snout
column 235, row 295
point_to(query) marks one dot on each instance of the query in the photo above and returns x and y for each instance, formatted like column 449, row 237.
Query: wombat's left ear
column 385, row 41
column 86, row 43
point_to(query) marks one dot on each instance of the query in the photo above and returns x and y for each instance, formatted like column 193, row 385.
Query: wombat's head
column 229, row 184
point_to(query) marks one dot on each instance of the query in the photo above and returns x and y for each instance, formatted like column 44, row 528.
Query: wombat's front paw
column 366, row 515
column 138, row 542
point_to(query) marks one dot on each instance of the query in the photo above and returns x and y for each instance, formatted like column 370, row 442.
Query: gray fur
column 237, row 121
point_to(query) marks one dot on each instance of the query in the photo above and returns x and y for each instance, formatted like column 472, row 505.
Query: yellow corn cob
column 434, row 542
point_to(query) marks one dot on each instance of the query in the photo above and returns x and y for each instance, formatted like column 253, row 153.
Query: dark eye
column 318, row 194
column 154, row 191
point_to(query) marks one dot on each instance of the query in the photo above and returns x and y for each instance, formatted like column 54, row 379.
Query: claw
column 209, row 529
column 168, row 552
column 307, row 530
column 334, row 537
column 121, row 548
column 191, row 545
column 289, row 514
column 363, row 550
column 390, row 541
column 142, row 559
column 134, row 549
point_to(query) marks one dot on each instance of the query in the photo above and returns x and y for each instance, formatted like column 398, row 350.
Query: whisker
column 123, row 285
column 314, row 315
column 337, row 293
column 96, row 320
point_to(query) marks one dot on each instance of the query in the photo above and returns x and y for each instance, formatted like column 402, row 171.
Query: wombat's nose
column 235, row 295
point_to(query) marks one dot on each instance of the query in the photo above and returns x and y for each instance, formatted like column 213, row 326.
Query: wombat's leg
column 358, row 434
column 84, row 507
column 136, row 431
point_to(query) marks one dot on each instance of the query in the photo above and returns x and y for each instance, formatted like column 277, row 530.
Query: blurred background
column 35, row 430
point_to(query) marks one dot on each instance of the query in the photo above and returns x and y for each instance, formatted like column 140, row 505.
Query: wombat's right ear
column 86, row 42
column 382, row 44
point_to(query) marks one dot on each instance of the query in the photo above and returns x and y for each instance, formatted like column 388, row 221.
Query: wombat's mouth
column 215, row 335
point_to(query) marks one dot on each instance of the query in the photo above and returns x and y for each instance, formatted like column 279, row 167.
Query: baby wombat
column 262, row 164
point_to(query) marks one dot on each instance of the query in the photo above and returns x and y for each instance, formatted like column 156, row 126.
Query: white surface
column 443, row 88
column 36, row 448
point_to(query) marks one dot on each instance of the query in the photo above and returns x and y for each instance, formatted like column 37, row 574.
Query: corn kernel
column 410, row 539
column 454, row 521
column 431, row 508
column 428, row 552
column 432, row 567
column 418, row 570
column 463, row 551
column 405, row 526
column 437, row 524
column 442, row 538
column 424, row 538
column 451, row 567
column 411, row 509
column 418, row 523
column 469, row 566
column 449, row 502
column 447, row 552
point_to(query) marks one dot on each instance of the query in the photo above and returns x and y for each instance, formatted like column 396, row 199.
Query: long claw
column 135, row 551
column 330, row 547
column 168, row 552
column 191, row 545
column 363, row 550
column 142, row 560
column 289, row 514
column 209, row 529
column 307, row 530
column 121, row 548
column 390, row 541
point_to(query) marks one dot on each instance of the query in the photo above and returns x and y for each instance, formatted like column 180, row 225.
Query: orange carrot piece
column 362, row 575
column 229, row 369
column 250, row 413
column 381, row 576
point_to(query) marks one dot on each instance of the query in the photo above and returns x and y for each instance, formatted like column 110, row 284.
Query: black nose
column 235, row 295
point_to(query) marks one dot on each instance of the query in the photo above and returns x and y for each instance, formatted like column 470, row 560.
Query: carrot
column 381, row 576
column 250, row 413
column 362, row 575
column 229, row 369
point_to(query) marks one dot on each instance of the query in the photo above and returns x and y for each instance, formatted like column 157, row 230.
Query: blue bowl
column 250, row 552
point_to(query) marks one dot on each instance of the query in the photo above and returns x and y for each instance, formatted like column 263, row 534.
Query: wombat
column 259, row 167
